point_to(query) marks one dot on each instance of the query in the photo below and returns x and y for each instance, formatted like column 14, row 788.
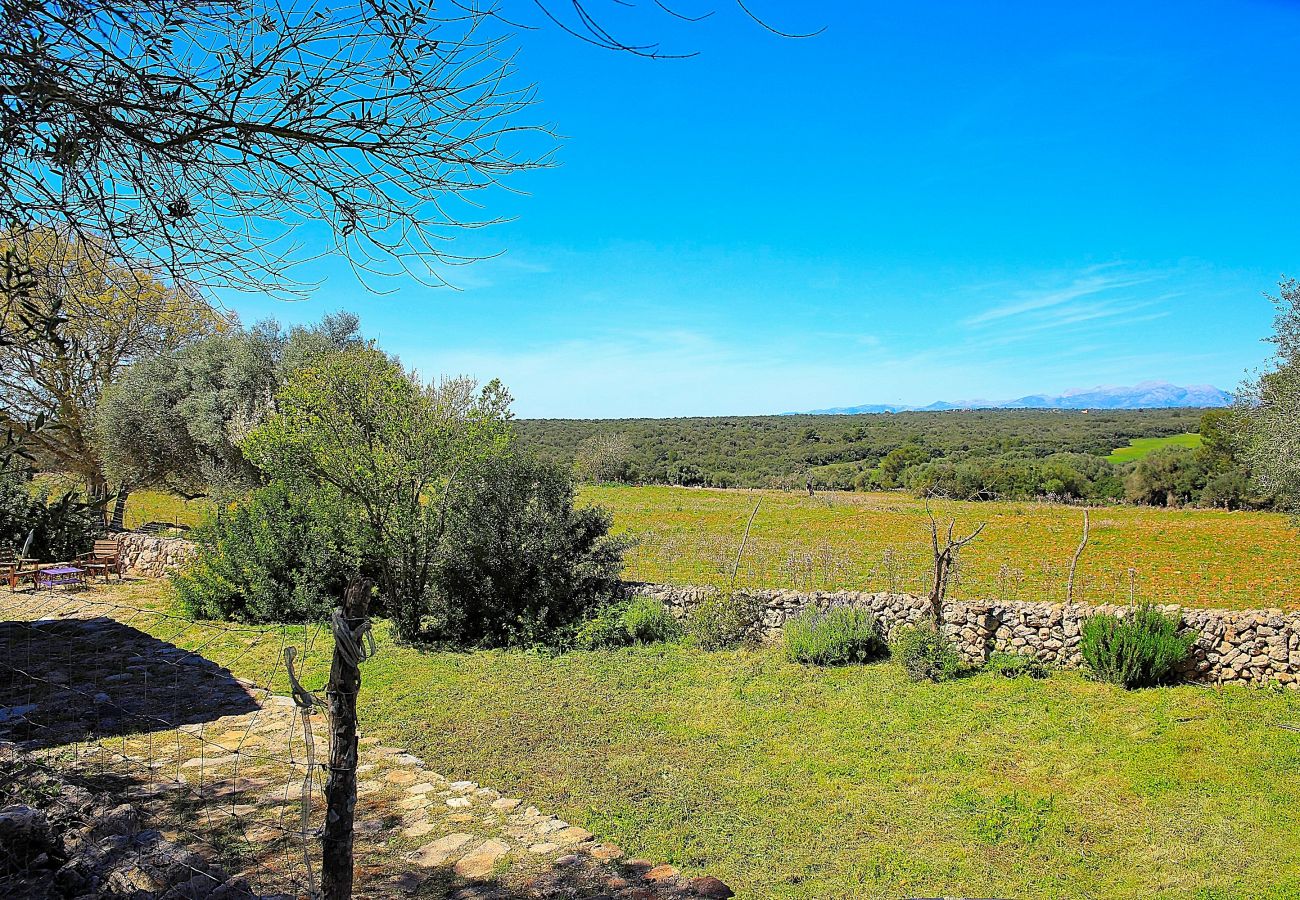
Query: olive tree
column 1268, row 409
column 175, row 420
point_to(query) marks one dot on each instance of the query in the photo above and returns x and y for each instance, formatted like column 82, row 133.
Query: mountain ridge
column 1144, row 395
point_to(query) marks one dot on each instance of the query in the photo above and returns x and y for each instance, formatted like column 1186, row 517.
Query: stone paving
column 217, row 765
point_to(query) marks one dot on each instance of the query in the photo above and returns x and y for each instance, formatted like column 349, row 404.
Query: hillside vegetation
column 763, row 451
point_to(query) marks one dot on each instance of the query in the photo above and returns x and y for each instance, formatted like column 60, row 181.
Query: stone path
column 217, row 766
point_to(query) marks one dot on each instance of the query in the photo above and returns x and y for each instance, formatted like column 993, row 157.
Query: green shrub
column 280, row 555
column 641, row 620
column 603, row 631
column 838, row 636
column 519, row 563
column 725, row 620
column 1140, row 649
column 60, row 528
column 648, row 622
column 926, row 654
column 1016, row 665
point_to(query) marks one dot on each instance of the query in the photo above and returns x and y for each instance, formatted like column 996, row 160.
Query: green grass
column 1140, row 447
column 156, row 506
column 794, row 782
column 854, row 541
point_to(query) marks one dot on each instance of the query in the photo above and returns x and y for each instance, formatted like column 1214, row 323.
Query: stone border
column 1232, row 646
column 152, row 556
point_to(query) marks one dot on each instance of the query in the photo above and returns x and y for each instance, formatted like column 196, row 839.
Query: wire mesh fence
column 113, row 715
column 827, row 544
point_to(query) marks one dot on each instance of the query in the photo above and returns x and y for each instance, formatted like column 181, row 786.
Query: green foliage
column 925, row 654
column 1266, row 423
column 60, row 527
column 648, row 622
column 604, row 458
column 641, row 620
column 1166, row 477
column 724, row 620
column 281, row 555
column 838, row 636
column 847, row 451
column 174, row 420
column 1141, row 649
column 1016, row 665
column 518, row 563
column 392, row 447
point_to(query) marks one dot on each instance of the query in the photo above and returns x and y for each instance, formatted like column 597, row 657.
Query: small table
column 60, row 575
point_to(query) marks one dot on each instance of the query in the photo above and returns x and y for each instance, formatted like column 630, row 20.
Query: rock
column 661, row 872
column 571, row 835
column 482, row 859
column 543, row 848
column 505, row 803
column 708, row 886
column 441, row 851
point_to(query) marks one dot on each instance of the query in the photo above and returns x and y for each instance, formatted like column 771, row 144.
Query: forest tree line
column 967, row 454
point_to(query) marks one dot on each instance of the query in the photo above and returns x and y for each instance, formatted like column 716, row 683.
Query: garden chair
column 106, row 558
column 16, row 569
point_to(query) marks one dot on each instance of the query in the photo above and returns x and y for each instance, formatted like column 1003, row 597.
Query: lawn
column 1195, row 557
column 1140, row 447
column 790, row 782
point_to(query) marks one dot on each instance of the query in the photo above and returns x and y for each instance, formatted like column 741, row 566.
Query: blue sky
column 927, row 201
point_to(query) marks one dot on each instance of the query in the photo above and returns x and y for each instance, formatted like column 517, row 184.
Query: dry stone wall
column 1232, row 646
column 153, row 556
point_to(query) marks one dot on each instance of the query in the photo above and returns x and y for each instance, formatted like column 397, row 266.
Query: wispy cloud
column 1062, row 301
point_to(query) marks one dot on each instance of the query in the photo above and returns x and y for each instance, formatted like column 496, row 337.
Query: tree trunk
column 341, row 787
column 119, row 510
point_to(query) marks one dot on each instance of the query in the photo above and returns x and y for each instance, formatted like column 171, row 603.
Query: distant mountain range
column 1147, row 395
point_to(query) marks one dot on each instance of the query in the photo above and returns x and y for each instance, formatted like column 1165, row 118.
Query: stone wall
column 1232, row 646
column 153, row 556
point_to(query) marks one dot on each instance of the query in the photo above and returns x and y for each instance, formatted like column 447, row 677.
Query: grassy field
column 790, row 782
column 1195, row 557
column 1140, row 447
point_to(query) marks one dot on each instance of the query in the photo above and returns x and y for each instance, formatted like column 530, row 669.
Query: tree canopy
column 1269, row 410
column 109, row 316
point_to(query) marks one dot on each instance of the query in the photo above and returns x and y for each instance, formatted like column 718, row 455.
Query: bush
column 519, row 564
column 60, row 529
column 642, row 620
column 648, row 622
column 725, row 620
column 837, row 636
column 1141, row 649
column 926, row 654
column 603, row 631
column 1016, row 665
column 281, row 555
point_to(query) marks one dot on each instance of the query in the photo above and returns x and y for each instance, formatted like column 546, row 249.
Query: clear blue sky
column 928, row 201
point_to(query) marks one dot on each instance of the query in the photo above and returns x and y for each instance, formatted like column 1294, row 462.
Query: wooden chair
column 15, row 569
column 105, row 558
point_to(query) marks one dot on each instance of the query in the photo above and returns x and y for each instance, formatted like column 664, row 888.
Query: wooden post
column 341, row 786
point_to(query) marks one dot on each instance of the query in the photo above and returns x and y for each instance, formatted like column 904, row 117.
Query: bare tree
column 195, row 135
column 1074, row 560
column 945, row 560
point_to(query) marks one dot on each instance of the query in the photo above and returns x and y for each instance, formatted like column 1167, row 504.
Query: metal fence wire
column 108, row 724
